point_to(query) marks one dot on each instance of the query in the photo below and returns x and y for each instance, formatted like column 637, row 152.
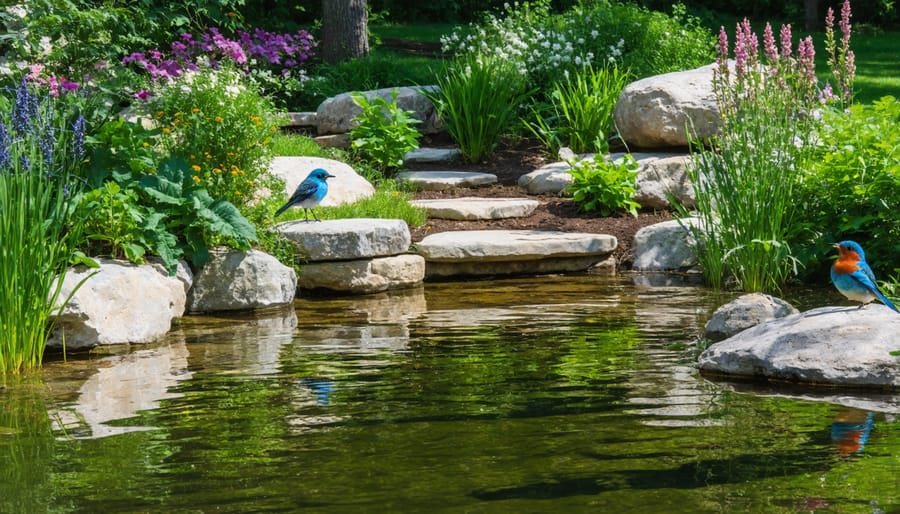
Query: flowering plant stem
column 36, row 230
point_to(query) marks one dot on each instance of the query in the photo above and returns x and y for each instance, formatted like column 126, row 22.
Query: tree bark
column 345, row 33
column 812, row 14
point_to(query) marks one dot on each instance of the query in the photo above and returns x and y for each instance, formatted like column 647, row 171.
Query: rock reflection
column 123, row 386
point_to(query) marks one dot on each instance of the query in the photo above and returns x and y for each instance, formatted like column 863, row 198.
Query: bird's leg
column 314, row 215
column 306, row 215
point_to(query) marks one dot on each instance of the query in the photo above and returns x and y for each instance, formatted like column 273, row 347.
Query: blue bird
column 853, row 277
column 309, row 193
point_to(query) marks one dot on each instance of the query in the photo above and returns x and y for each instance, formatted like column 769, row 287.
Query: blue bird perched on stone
column 853, row 277
column 309, row 193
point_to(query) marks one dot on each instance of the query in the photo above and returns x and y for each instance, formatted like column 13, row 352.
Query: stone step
column 475, row 208
column 444, row 180
column 426, row 155
column 504, row 252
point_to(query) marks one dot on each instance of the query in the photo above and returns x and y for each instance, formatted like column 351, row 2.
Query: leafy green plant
column 477, row 98
column 607, row 187
column 39, row 158
column 581, row 114
column 384, row 132
column 112, row 220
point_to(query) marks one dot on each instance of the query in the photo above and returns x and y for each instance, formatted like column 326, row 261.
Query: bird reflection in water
column 850, row 430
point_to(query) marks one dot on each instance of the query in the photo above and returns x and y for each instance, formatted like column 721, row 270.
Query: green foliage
column 581, row 110
column 478, row 97
column 164, row 213
column 543, row 45
column 223, row 128
column 39, row 158
column 384, row 132
column 853, row 186
column 605, row 187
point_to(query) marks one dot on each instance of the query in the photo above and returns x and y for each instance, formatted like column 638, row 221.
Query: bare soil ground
column 512, row 160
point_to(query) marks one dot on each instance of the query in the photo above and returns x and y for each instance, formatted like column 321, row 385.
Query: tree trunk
column 345, row 31
column 812, row 14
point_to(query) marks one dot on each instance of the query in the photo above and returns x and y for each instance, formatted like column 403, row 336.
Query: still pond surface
column 549, row 394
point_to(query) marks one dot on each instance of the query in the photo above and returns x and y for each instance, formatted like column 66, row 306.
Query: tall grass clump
column 746, row 178
column 478, row 97
column 580, row 114
column 39, row 154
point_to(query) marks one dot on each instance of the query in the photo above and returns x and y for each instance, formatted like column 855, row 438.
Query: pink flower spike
column 829, row 20
column 786, row 41
column 845, row 23
column 769, row 44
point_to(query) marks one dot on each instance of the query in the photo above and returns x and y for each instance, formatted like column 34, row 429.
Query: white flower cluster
column 536, row 49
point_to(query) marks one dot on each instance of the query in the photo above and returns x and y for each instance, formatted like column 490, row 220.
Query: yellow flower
column 219, row 119
column 193, row 157
column 146, row 144
column 166, row 130
column 160, row 114
column 195, row 110
column 196, row 179
column 217, row 170
column 195, row 167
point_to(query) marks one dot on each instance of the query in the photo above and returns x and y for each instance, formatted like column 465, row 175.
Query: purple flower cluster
column 261, row 48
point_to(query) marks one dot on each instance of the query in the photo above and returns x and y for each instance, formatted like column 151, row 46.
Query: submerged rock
column 747, row 311
column 829, row 345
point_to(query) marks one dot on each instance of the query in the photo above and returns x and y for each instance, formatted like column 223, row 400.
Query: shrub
column 543, row 45
column 39, row 158
column 221, row 127
column 478, row 97
column 852, row 187
column 581, row 110
column 605, row 187
column 384, row 132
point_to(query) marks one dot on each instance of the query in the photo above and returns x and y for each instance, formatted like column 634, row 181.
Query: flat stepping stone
column 504, row 252
column 443, row 180
column 346, row 239
column 431, row 155
column 475, row 208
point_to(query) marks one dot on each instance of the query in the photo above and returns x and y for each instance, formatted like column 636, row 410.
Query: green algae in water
column 558, row 394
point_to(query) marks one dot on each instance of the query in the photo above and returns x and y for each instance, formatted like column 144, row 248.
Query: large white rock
column 829, row 345
column 550, row 178
column 443, row 180
column 657, row 111
column 659, row 178
column 475, row 208
column 364, row 276
column 335, row 115
column 664, row 246
column 744, row 312
column 493, row 252
column 121, row 303
column 241, row 280
column 347, row 239
column 347, row 186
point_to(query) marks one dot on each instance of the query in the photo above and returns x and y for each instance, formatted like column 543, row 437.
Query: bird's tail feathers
column 887, row 302
column 282, row 209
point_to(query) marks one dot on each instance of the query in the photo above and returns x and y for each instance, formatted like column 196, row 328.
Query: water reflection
column 122, row 386
column 850, row 430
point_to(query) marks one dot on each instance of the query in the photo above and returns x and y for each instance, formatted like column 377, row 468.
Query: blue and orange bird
column 309, row 193
column 853, row 277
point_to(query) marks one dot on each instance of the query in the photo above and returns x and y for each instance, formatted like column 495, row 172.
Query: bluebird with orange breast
column 853, row 277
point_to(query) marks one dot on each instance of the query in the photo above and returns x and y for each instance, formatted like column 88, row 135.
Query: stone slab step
column 427, row 155
column 443, row 180
column 475, row 208
column 503, row 252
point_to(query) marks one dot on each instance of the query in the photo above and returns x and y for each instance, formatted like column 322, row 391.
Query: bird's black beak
column 329, row 176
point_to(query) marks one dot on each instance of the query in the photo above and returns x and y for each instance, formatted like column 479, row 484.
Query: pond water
column 544, row 394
